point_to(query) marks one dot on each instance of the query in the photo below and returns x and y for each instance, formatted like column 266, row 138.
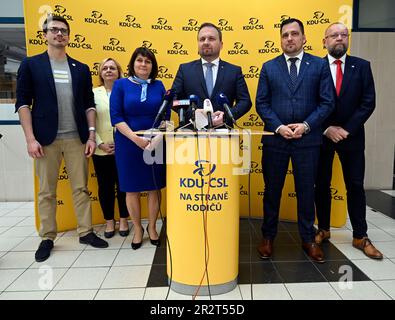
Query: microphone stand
column 193, row 118
column 210, row 120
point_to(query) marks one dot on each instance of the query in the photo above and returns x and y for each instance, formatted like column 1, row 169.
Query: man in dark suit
column 57, row 113
column 210, row 76
column 293, row 99
column 344, row 133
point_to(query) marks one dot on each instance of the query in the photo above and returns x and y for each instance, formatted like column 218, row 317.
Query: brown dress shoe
column 367, row 247
column 265, row 249
column 313, row 251
column 322, row 235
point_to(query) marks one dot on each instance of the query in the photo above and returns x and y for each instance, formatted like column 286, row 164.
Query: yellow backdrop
column 101, row 29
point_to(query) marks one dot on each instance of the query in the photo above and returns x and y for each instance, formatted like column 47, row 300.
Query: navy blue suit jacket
column 355, row 103
column 230, row 81
column 36, row 88
column 279, row 103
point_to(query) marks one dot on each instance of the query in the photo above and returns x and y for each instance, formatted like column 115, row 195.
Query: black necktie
column 293, row 71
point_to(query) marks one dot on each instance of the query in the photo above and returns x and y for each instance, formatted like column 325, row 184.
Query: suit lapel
column 333, row 84
column 220, row 78
column 304, row 65
column 199, row 72
column 103, row 96
column 349, row 69
column 74, row 75
column 48, row 70
column 282, row 63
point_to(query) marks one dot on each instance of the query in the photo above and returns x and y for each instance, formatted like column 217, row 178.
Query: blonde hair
column 119, row 68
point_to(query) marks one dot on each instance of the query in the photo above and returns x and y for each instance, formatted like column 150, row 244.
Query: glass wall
column 12, row 51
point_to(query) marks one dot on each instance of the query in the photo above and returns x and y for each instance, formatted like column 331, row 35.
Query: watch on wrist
column 92, row 129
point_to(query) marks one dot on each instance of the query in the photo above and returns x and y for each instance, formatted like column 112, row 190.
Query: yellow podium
column 203, row 211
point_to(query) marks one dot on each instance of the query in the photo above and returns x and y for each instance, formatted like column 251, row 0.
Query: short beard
column 337, row 51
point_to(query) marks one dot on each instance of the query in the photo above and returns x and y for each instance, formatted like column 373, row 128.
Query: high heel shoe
column 123, row 233
column 137, row 245
column 110, row 234
column 155, row 242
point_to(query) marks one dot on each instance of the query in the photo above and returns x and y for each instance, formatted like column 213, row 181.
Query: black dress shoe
column 94, row 241
column 153, row 242
column 44, row 250
column 136, row 245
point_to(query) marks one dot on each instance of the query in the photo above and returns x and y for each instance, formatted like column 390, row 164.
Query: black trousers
column 107, row 180
column 353, row 166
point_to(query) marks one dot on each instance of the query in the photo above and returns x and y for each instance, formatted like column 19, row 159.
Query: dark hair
column 53, row 17
column 147, row 53
column 292, row 20
column 211, row 25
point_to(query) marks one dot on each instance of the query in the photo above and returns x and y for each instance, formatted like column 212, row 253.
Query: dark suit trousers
column 107, row 180
column 275, row 165
column 353, row 166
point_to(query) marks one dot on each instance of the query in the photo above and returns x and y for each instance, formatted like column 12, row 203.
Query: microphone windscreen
column 194, row 99
column 207, row 106
column 222, row 98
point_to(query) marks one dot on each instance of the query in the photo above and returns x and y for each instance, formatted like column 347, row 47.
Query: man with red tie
column 344, row 133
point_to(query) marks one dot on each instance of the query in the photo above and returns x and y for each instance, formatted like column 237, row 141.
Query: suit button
column 293, row 100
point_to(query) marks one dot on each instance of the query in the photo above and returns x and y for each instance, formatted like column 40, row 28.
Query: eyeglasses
column 336, row 35
column 55, row 30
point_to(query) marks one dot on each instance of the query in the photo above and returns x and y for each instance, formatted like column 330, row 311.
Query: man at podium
column 209, row 76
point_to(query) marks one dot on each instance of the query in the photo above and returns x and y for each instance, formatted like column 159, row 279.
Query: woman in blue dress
column 134, row 104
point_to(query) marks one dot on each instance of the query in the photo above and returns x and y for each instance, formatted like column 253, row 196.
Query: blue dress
column 125, row 106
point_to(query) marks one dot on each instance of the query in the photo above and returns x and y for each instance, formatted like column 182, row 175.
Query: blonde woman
column 104, row 159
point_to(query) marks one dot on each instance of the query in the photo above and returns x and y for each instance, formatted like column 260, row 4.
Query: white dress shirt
column 333, row 66
column 214, row 68
column 297, row 62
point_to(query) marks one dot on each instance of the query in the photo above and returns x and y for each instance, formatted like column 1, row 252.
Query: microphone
column 179, row 106
column 182, row 103
column 222, row 100
column 194, row 99
column 208, row 110
column 162, row 109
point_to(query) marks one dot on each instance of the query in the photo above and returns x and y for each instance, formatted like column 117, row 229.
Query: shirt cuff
column 278, row 128
column 307, row 127
column 99, row 141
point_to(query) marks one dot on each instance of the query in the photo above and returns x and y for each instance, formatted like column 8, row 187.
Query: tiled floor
column 76, row 271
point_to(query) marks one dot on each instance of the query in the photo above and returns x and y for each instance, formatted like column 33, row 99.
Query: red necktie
column 339, row 76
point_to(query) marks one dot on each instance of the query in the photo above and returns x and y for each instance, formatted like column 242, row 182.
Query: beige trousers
column 47, row 170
